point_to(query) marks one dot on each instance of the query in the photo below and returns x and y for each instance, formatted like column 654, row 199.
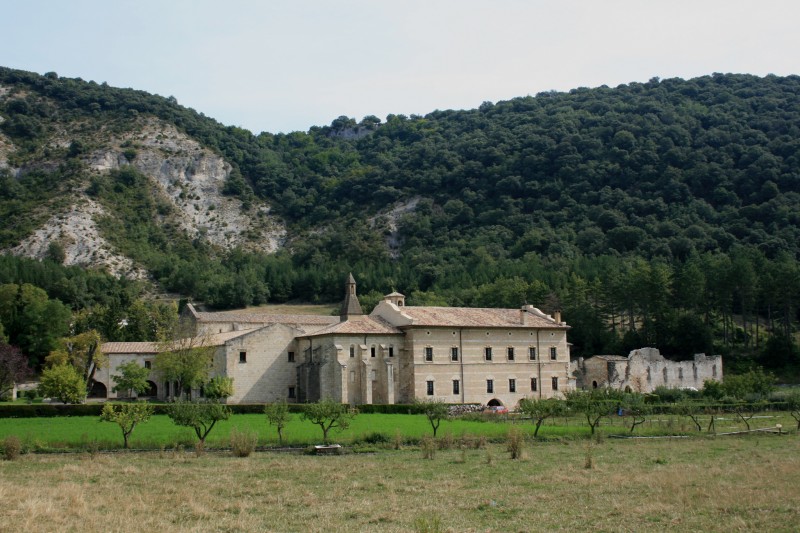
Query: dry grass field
column 698, row 484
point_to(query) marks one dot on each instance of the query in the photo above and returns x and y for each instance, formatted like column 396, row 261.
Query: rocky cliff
column 185, row 174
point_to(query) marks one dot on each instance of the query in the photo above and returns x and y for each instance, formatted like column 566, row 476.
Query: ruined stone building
column 396, row 354
column 645, row 369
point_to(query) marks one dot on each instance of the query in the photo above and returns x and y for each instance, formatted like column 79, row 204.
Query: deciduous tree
column 127, row 416
column 13, row 368
column 63, row 382
column 635, row 409
column 186, row 361
column 593, row 405
column 328, row 414
column 793, row 404
column 200, row 415
column 540, row 410
column 278, row 415
column 435, row 411
column 218, row 388
column 131, row 379
column 82, row 351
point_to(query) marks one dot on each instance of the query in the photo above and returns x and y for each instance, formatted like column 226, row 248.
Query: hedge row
column 94, row 409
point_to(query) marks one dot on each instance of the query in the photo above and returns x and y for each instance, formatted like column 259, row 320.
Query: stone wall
column 267, row 373
column 644, row 370
column 331, row 371
column 474, row 372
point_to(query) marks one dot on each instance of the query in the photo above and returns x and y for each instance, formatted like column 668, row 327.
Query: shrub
column 669, row 395
column 64, row 383
column 428, row 447
column 375, row 437
column 12, row 447
column 243, row 443
column 515, row 443
column 425, row 525
column 446, row 442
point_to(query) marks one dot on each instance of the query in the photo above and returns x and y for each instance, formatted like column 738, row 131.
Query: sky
column 287, row 65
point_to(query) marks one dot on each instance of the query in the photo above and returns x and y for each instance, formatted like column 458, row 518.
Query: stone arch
column 98, row 390
column 152, row 389
column 494, row 402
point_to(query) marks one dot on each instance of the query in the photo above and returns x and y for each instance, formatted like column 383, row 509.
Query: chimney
column 523, row 316
column 557, row 317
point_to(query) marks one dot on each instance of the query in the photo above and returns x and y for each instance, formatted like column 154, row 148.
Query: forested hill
column 663, row 213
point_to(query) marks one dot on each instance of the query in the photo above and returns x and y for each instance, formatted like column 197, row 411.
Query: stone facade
column 397, row 354
column 645, row 369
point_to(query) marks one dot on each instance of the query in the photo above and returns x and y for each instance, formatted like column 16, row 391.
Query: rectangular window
column 490, row 386
column 430, row 388
column 372, row 351
column 291, row 392
column 553, row 353
column 510, row 353
column 487, row 352
column 555, row 383
column 148, row 364
column 291, row 357
column 242, row 357
column 391, row 351
column 429, row 353
column 352, row 351
column 454, row 353
column 512, row 385
column 534, row 384
column 456, row 386
column 532, row 353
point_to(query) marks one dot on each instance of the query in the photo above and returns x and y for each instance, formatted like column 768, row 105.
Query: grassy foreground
column 698, row 484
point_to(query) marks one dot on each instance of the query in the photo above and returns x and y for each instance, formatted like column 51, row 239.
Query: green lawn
column 159, row 432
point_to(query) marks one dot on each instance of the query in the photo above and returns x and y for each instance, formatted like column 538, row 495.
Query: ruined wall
column 645, row 369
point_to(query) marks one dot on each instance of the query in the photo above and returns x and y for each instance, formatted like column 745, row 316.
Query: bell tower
column 350, row 306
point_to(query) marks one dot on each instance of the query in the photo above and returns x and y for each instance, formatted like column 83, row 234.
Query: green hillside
column 664, row 213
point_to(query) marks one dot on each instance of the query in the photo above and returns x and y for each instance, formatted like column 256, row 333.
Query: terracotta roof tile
column 265, row 318
column 130, row 347
column 359, row 325
column 475, row 317
column 217, row 339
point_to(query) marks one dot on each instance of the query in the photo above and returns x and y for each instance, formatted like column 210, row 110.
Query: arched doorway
column 594, row 384
column 98, row 390
column 152, row 390
column 494, row 402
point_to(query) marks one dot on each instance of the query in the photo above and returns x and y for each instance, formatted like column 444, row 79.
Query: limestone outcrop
column 189, row 176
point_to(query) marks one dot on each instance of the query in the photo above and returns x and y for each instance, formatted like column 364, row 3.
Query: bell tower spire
column 351, row 305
